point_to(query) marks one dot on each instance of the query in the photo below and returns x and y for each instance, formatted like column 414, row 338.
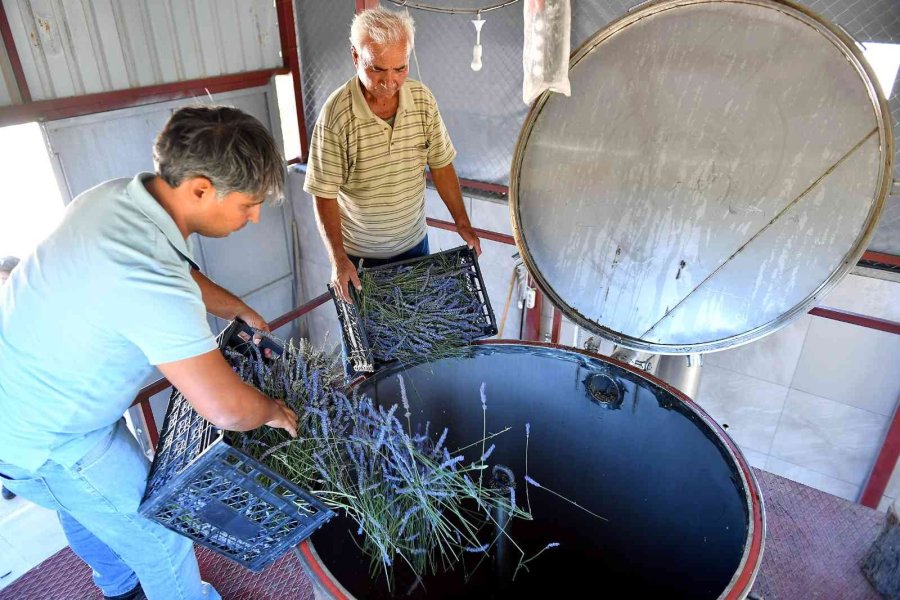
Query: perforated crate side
column 476, row 280
column 231, row 503
column 185, row 435
column 356, row 343
column 220, row 497
column 357, row 346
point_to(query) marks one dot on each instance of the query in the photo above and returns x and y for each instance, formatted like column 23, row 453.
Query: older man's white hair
column 382, row 27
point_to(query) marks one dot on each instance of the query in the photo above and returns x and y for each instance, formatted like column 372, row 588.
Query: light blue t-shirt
column 82, row 320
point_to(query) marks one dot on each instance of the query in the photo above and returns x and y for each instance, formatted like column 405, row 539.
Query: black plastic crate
column 204, row 488
column 356, row 342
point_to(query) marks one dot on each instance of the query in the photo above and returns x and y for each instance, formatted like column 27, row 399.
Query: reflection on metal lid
column 719, row 165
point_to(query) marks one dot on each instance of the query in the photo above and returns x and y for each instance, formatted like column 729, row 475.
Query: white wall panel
column 255, row 262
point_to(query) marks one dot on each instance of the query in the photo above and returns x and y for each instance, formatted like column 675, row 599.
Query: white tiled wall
column 813, row 401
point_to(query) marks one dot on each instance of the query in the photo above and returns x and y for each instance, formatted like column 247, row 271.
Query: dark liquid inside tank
column 675, row 504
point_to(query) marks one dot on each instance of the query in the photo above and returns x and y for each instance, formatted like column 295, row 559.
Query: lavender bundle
column 414, row 500
column 426, row 309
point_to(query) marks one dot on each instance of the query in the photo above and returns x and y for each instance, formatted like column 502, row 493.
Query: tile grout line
column 838, row 479
column 789, row 388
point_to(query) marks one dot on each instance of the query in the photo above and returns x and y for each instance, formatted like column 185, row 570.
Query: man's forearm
column 447, row 185
column 220, row 397
column 219, row 301
column 328, row 217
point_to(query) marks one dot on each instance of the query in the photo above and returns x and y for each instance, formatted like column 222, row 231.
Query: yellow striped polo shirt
column 376, row 172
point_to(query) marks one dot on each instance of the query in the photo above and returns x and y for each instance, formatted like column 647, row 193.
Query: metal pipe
column 682, row 373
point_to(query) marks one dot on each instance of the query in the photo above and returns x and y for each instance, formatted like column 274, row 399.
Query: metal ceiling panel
column 78, row 47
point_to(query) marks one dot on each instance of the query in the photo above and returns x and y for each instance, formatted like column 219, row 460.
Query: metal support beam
column 884, row 465
column 481, row 233
column 362, row 5
column 856, row 319
column 12, row 53
column 493, row 188
column 557, row 325
column 881, row 257
column 73, row 106
column 289, row 54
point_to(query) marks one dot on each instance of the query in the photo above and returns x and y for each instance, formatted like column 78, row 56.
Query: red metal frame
column 880, row 257
column 362, row 5
column 478, row 185
column 324, row 578
column 487, row 187
column 482, row 233
column 856, row 319
column 557, row 325
column 291, row 58
column 883, row 469
column 880, row 476
column 13, row 54
column 74, row 106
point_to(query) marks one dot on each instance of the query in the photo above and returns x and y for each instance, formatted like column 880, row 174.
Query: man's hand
column 256, row 321
column 285, row 418
column 343, row 272
column 467, row 233
column 252, row 318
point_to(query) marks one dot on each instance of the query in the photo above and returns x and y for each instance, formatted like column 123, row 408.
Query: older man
column 112, row 292
column 370, row 146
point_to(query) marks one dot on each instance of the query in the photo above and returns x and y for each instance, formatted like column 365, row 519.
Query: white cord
column 415, row 56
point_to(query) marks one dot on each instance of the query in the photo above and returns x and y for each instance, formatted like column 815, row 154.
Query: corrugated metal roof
column 77, row 47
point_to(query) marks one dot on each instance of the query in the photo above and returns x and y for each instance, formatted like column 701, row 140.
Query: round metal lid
column 719, row 165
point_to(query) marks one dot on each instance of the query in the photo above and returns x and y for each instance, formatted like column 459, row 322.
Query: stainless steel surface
column 886, row 238
column 869, row 21
column 720, row 165
column 72, row 48
column 681, row 372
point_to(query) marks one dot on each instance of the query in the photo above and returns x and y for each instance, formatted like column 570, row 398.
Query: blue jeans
column 97, row 501
column 420, row 249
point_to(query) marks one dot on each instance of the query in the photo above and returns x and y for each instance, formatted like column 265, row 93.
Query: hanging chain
column 451, row 11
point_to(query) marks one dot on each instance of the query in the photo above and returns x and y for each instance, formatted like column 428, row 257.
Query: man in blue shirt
column 7, row 264
column 110, row 294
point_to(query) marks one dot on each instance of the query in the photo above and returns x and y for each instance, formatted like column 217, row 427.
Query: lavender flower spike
column 527, row 429
column 403, row 397
column 483, row 397
column 487, row 453
column 532, row 481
